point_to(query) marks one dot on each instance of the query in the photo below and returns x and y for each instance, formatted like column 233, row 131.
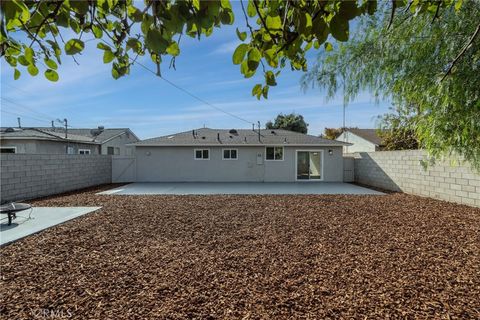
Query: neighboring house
column 361, row 140
column 32, row 140
column 75, row 141
column 238, row 155
column 113, row 141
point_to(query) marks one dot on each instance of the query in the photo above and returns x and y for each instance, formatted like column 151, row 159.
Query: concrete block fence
column 27, row 176
column 449, row 179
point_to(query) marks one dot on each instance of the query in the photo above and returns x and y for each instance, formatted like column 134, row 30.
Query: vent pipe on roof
column 259, row 132
column 53, row 125
column 218, row 136
column 193, row 134
column 19, row 122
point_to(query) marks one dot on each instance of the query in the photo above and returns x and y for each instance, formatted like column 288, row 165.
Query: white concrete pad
column 39, row 218
column 205, row 188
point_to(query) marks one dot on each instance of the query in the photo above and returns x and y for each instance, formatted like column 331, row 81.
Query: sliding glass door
column 309, row 165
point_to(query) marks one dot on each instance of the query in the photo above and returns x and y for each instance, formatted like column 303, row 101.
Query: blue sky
column 88, row 96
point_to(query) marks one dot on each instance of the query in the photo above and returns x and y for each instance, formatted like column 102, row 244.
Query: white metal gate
column 124, row 169
column 348, row 169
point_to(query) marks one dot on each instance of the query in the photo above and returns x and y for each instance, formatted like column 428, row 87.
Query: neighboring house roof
column 36, row 134
column 97, row 136
column 371, row 135
column 238, row 137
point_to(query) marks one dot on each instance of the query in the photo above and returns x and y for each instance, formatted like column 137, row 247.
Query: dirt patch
column 325, row 256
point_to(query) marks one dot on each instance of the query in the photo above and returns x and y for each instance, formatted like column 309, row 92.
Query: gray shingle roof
column 34, row 133
column 104, row 135
column 368, row 134
column 207, row 136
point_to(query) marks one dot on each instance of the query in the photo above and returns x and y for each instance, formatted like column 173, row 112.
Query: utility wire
column 189, row 93
column 43, row 115
column 25, row 116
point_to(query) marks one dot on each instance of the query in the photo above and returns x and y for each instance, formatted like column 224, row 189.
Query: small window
column 202, row 154
column 230, row 154
column 83, row 151
column 274, row 153
column 8, row 149
column 113, row 151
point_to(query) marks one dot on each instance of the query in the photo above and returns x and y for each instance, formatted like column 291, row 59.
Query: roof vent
column 101, row 128
column 233, row 131
column 285, row 140
column 96, row 132
column 9, row 130
column 203, row 138
column 273, row 132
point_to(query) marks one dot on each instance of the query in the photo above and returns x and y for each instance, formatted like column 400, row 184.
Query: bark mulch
column 250, row 257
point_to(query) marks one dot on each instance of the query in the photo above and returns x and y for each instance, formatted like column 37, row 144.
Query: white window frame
column 200, row 159
column 283, row 153
column 229, row 149
column 85, row 151
column 7, row 147
column 323, row 165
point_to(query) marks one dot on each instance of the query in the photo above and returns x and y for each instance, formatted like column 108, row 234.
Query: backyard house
column 361, row 140
column 75, row 141
column 219, row 155
column 36, row 141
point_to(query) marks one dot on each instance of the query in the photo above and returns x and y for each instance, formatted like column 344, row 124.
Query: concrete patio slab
column 210, row 188
column 38, row 219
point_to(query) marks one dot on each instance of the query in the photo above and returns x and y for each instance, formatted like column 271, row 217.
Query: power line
column 190, row 94
column 22, row 115
column 43, row 115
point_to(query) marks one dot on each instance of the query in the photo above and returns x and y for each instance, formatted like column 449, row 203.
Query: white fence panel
column 124, row 169
column 348, row 169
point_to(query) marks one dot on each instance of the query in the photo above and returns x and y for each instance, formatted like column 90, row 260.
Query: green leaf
column 155, row 42
column 339, row 28
column 135, row 45
column 348, row 9
column 108, row 56
column 29, row 54
column 239, row 53
column 32, row 69
column 226, row 16
column 173, row 49
column 328, row 46
column 103, row 46
column 245, row 69
column 80, row 7
column 97, row 31
column 270, row 78
column 74, row 46
column 265, row 92
column 257, row 90
column 51, row 75
column 16, row 74
column 274, row 22
column 196, row 4
column 23, row 61
column 321, row 30
column 251, row 9
column 241, row 35
column 51, row 64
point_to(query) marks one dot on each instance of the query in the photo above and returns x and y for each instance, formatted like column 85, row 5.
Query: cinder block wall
column 449, row 179
column 27, row 176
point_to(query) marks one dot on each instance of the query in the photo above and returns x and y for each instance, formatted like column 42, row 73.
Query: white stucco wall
column 120, row 142
column 359, row 144
column 177, row 164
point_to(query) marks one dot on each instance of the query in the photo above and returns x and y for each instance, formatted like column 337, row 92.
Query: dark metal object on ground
column 12, row 208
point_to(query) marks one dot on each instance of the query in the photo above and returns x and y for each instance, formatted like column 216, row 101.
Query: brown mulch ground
column 141, row 257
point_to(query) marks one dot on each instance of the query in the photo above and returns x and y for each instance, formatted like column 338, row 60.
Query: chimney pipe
column 19, row 122
column 218, row 136
column 193, row 133
column 53, row 126
column 259, row 132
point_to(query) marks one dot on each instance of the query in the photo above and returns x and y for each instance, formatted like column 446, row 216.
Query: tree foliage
column 430, row 68
column 291, row 122
column 276, row 34
column 396, row 130
column 333, row 133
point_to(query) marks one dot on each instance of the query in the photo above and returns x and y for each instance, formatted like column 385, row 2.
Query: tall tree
column 274, row 33
column 291, row 122
column 428, row 67
column 333, row 133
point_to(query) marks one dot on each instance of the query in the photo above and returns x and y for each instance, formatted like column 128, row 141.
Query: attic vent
column 233, row 131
